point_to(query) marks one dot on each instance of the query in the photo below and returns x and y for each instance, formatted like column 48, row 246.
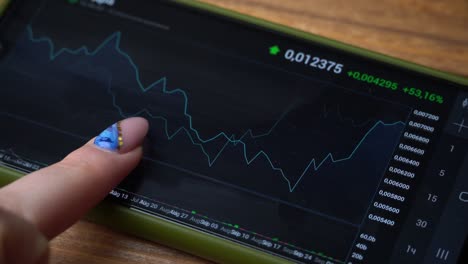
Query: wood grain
column 429, row 32
column 94, row 244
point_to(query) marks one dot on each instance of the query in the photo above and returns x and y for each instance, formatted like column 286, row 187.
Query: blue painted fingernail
column 111, row 138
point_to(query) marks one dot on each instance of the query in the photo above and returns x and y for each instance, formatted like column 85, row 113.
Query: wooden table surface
column 431, row 33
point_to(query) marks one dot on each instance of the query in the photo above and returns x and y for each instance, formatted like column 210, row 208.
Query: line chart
column 193, row 134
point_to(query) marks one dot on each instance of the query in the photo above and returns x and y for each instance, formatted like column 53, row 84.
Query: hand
column 41, row 205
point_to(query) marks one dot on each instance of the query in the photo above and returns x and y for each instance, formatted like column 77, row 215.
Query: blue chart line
column 196, row 138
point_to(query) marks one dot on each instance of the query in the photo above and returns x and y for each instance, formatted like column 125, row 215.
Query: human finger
column 57, row 196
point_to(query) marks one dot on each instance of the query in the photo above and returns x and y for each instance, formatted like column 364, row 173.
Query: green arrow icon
column 274, row 50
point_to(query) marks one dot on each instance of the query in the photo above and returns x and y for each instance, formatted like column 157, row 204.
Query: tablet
column 266, row 144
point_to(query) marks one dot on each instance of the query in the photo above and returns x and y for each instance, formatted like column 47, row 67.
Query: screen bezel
column 192, row 240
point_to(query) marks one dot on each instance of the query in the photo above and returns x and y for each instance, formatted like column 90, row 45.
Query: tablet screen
column 291, row 147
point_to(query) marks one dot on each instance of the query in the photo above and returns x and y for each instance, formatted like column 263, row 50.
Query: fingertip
column 134, row 131
column 123, row 136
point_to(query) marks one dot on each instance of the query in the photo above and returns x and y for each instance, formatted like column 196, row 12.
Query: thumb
column 20, row 241
column 55, row 197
